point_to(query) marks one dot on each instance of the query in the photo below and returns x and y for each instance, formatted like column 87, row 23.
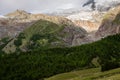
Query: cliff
column 110, row 24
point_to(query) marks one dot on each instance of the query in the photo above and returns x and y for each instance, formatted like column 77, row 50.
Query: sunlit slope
column 88, row 74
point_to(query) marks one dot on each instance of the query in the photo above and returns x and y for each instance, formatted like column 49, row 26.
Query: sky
column 41, row 6
column 38, row 6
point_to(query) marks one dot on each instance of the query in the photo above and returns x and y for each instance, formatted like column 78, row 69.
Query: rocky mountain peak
column 18, row 14
column 21, row 12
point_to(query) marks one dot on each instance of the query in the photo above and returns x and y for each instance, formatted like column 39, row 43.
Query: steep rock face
column 11, row 27
column 90, row 21
column 23, row 16
column 13, row 23
column 18, row 14
column 110, row 24
column 87, row 25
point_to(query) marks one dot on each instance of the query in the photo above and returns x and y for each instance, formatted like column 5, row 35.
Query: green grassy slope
column 42, row 27
column 44, row 33
column 88, row 74
column 49, row 34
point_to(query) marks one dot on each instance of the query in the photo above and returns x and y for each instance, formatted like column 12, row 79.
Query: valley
column 70, row 44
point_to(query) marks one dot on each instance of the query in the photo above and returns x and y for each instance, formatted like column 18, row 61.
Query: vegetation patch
column 41, row 63
column 117, row 19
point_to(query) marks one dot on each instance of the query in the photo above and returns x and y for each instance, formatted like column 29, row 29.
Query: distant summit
column 18, row 14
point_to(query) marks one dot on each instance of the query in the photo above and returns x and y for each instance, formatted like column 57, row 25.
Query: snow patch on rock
column 1, row 16
column 85, row 15
column 81, row 16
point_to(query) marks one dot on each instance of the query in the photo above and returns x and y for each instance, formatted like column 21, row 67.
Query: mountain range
column 76, row 29
column 38, row 46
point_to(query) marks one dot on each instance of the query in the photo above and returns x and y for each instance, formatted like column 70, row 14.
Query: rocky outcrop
column 23, row 16
column 11, row 28
column 110, row 24
column 90, row 21
column 18, row 14
column 87, row 25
